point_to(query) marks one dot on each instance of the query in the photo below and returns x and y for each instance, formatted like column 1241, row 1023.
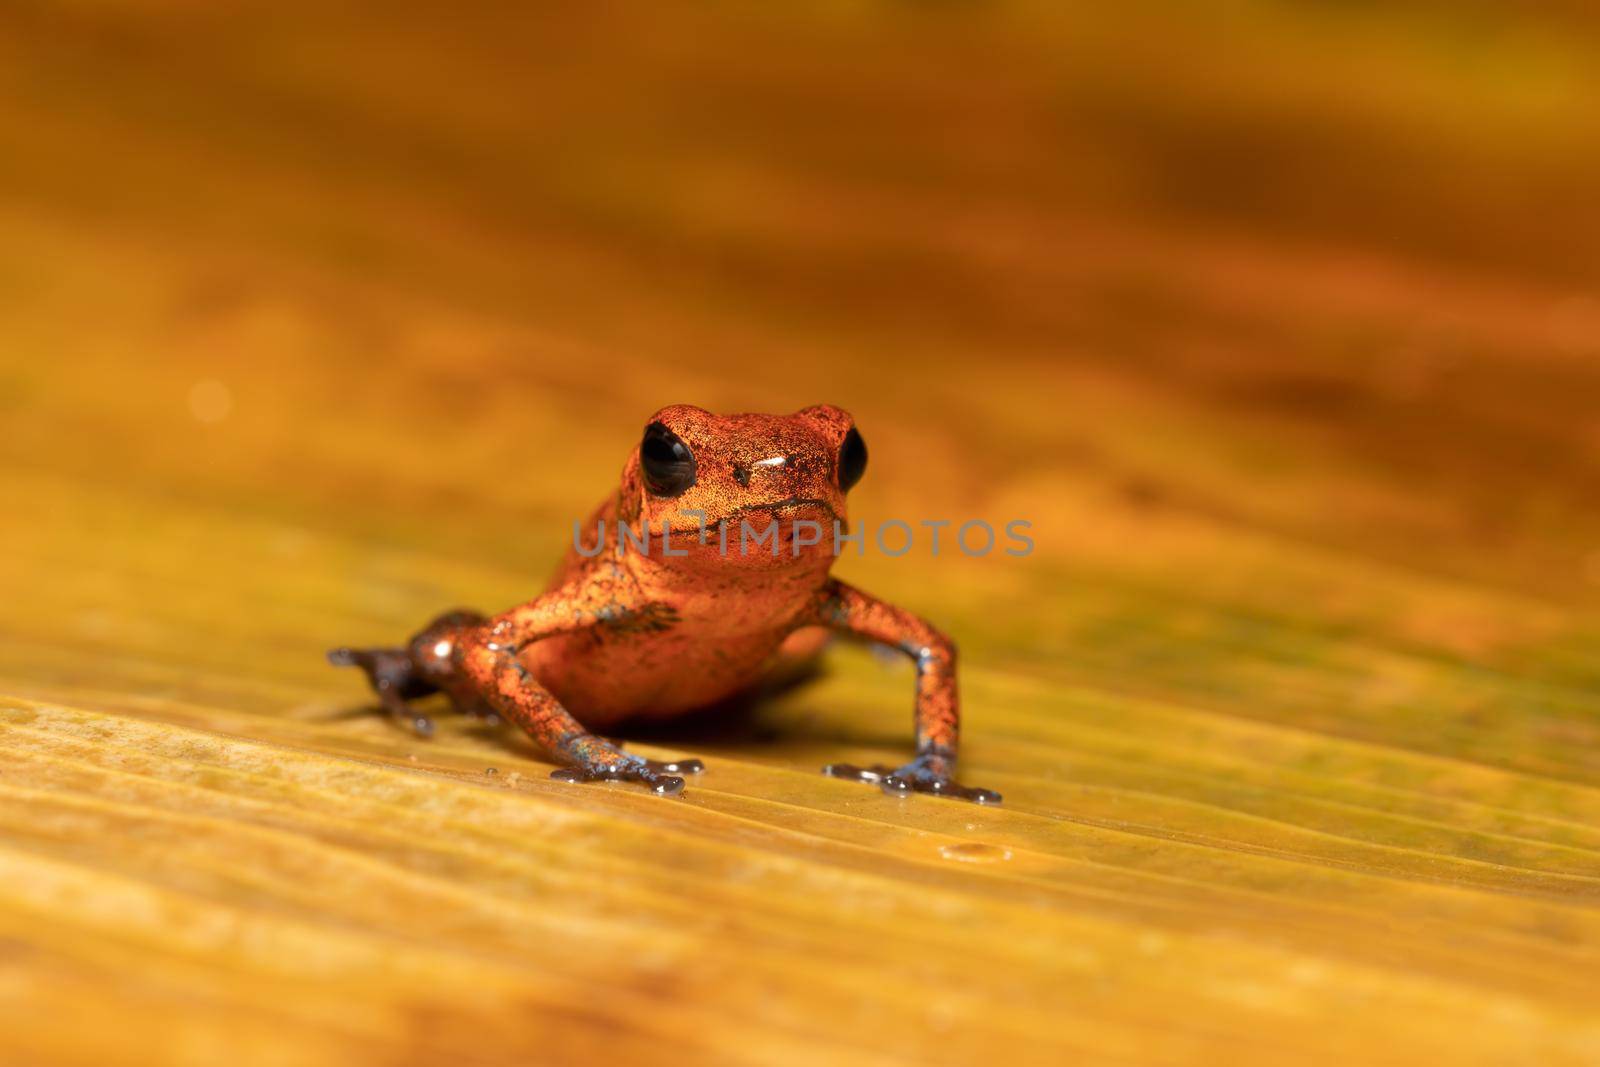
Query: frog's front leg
column 487, row 659
column 938, row 714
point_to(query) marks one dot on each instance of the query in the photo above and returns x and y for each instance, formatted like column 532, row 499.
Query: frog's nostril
column 741, row 474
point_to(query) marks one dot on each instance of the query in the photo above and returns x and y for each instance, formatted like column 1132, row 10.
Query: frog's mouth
column 781, row 510
column 793, row 503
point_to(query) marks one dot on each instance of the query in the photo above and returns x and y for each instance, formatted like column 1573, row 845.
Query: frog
column 707, row 572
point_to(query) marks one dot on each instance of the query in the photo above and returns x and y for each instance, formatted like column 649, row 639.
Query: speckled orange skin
column 634, row 633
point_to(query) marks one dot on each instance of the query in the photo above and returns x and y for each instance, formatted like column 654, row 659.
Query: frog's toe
column 872, row 775
column 664, row 785
column 897, row 785
column 676, row 766
column 652, row 773
column 914, row 777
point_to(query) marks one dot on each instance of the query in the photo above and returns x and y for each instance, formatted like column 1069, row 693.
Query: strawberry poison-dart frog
column 706, row 569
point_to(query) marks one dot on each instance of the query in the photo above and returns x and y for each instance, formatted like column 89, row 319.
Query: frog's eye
column 852, row 459
column 667, row 463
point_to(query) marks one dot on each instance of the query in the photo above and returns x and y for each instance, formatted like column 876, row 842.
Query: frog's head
column 758, row 476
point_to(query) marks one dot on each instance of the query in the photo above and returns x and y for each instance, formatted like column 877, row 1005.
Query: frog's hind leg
column 433, row 651
column 424, row 666
column 394, row 679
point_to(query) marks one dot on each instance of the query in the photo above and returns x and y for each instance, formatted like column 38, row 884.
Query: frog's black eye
column 666, row 461
column 852, row 459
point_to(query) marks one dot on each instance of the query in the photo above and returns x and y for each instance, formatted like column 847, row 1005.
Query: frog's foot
column 393, row 678
column 925, row 774
column 663, row 777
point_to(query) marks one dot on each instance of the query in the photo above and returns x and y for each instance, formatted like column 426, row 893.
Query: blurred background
column 1279, row 321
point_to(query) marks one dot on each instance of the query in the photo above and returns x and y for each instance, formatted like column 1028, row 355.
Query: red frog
column 706, row 569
